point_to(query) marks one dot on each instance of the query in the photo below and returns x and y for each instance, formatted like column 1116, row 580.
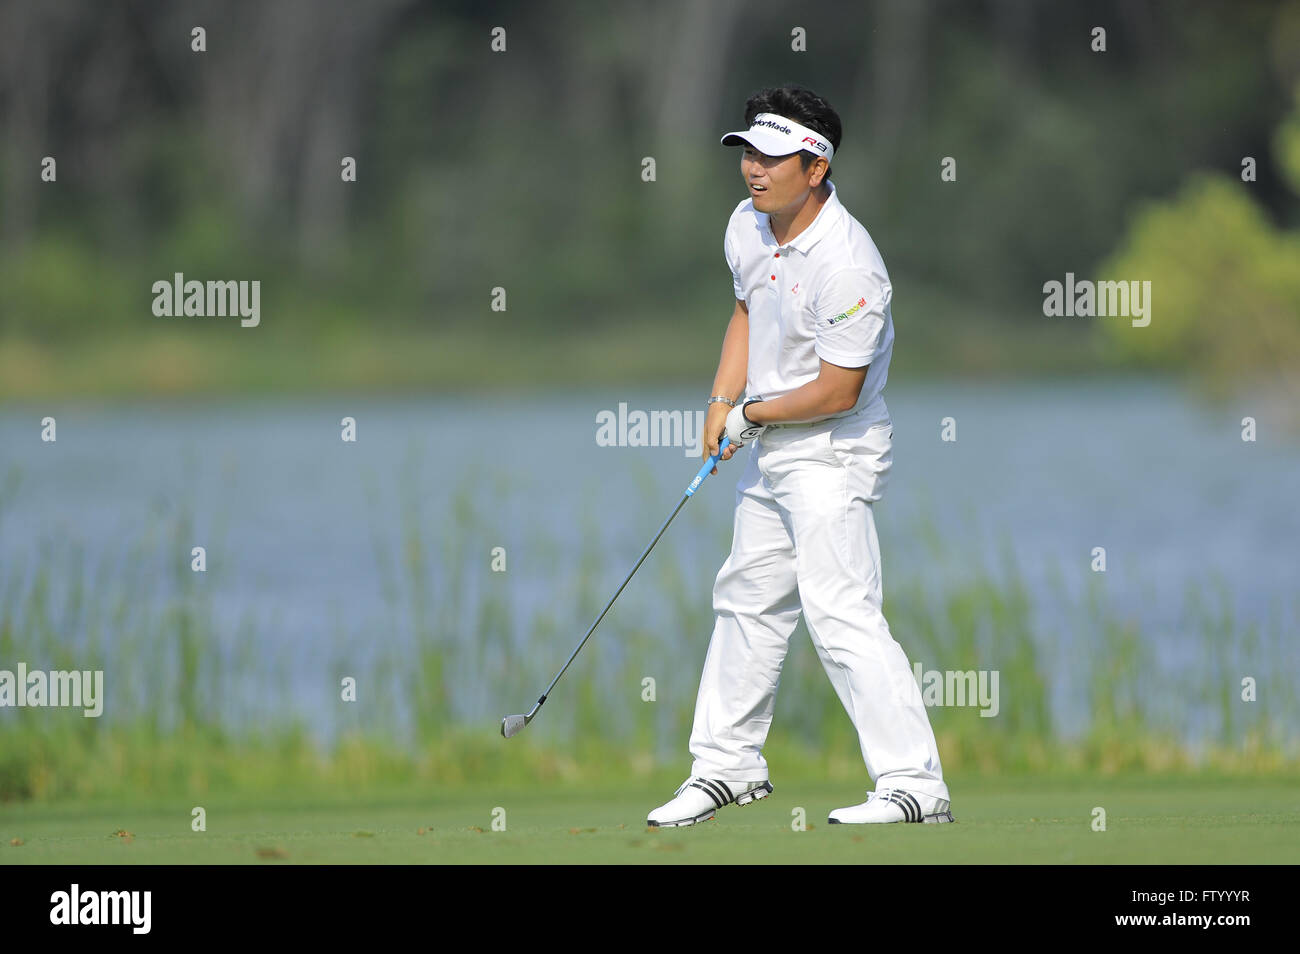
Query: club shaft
column 693, row 486
column 685, row 497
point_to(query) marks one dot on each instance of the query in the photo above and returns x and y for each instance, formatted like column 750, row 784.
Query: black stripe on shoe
column 894, row 798
column 910, row 813
column 699, row 783
column 723, row 791
column 916, row 806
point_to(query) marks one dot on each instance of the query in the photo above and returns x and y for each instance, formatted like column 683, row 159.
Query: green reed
column 457, row 646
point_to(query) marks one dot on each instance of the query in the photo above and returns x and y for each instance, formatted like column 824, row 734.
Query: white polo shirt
column 824, row 294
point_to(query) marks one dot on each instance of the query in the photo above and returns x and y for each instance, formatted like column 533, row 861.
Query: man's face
column 777, row 183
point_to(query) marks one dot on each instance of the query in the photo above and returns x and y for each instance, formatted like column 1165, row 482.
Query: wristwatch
column 718, row 398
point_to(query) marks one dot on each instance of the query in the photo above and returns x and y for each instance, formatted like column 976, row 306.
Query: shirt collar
column 805, row 240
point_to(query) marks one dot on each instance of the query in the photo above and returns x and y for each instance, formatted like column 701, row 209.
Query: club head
column 513, row 725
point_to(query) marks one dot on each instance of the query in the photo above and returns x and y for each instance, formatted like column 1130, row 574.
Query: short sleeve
column 733, row 262
column 852, row 314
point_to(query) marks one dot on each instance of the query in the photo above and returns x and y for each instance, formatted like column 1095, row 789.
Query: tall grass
column 460, row 645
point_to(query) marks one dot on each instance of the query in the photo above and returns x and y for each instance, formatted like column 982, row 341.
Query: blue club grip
column 708, row 466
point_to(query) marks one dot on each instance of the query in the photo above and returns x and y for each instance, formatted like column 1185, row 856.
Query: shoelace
column 903, row 799
column 681, row 788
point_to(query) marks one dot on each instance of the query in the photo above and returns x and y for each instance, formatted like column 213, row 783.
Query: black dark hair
column 804, row 107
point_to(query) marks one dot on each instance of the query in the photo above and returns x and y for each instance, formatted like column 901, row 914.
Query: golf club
column 514, row 724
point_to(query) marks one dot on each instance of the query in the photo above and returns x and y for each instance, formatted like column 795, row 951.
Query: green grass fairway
column 1148, row 821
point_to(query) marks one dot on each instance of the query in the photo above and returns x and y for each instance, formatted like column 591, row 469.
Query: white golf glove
column 740, row 429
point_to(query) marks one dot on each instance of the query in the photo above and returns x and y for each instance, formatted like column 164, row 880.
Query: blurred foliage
column 1225, row 279
column 522, row 170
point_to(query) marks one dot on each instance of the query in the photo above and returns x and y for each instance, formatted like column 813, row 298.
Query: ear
column 817, row 171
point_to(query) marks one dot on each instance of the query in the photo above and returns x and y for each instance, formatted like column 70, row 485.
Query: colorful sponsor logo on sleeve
column 862, row 303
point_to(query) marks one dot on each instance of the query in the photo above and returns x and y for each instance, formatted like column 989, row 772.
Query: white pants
column 805, row 537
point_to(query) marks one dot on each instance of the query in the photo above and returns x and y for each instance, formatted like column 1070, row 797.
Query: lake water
column 307, row 535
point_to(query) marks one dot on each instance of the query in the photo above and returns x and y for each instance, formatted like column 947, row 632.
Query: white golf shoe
column 893, row 805
column 698, row 799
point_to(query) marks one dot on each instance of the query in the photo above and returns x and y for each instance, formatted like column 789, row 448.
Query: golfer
column 809, row 345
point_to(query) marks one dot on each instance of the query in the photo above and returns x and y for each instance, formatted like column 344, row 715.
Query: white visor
column 775, row 135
